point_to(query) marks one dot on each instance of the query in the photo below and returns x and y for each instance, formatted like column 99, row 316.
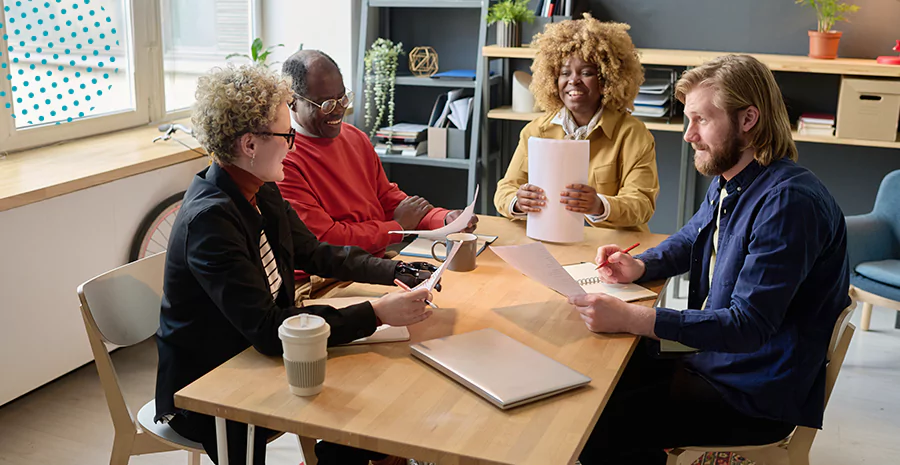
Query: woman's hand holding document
column 461, row 222
column 553, row 165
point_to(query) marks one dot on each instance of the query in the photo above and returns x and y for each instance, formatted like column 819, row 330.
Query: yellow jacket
column 622, row 168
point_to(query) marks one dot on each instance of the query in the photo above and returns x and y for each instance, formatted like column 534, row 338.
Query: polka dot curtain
column 65, row 60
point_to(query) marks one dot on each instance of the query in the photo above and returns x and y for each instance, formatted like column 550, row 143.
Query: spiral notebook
column 585, row 275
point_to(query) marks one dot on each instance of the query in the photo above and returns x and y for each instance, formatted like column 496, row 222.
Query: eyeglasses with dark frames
column 330, row 105
column 288, row 136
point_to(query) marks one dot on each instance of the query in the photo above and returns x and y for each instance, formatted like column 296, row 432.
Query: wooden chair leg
column 121, row 450
column 194, row 458
column 866, row 316
column 308, row 449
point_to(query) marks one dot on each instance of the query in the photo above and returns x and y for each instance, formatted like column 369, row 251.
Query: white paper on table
column 455, row 226
column 431, row 282
column 552, row 165
column 534, row 260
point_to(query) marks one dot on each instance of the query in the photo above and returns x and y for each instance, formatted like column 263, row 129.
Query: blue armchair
column 873, row 245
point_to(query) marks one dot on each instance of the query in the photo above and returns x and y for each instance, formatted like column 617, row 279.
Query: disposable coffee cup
column 305, row 341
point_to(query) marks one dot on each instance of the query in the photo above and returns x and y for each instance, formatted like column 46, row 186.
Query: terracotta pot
column 824, row 44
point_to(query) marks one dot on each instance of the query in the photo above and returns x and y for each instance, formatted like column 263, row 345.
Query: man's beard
column 721, row 160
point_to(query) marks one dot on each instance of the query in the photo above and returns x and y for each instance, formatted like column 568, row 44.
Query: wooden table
column 378, row 397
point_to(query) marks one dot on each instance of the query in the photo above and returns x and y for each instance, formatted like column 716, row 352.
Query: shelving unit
column 692, row 58
column 470, row 164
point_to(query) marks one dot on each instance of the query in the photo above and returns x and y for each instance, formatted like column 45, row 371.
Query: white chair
column 121, row 307
column 793, row 450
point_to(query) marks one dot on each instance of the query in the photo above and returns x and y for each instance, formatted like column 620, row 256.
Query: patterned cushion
column 884, row 271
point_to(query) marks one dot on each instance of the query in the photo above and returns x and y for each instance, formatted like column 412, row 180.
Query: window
column 66, row 61
column 71, row 68
column 197, row 36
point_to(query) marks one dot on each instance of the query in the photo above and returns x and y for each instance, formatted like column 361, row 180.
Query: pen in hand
column 403, row 286
column 606, row 262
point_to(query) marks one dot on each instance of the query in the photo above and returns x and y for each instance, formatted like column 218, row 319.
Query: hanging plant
column 381, row 73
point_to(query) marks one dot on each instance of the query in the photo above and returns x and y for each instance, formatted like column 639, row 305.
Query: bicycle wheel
column 153, row 234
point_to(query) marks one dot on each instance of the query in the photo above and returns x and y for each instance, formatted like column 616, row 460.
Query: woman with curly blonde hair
column 586, row 76
column 232, row 253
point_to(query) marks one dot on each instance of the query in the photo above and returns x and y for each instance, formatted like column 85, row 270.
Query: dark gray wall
column 758, row 26
column 761, row 26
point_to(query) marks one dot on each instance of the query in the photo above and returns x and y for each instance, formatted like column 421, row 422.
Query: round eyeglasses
column 330, row 105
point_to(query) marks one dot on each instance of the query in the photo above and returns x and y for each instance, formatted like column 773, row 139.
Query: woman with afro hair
column 586, row 77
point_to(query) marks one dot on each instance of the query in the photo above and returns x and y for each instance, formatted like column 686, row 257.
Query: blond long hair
column 741, row 81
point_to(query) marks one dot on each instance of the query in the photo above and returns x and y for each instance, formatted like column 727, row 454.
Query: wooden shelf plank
column 506, row 113
column 785, row 63
column 839, row 141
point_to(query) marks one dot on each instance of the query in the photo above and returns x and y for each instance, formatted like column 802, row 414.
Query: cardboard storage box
column 447, row 143
column 868, row 109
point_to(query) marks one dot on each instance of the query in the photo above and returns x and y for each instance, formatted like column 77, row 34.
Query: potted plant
column 823, row 42
column 258, row 53
column 380, row 76
column 508, row 14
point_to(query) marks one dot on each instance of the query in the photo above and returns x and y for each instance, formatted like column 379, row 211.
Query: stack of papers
column 653, row 99
column 452, row 107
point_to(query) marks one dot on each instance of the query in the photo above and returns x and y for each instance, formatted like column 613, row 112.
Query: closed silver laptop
column 502, row 370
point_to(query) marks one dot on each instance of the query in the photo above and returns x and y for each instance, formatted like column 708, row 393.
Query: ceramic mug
column 464, row 260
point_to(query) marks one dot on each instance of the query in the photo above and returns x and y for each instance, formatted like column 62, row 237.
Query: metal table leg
column 221, row 441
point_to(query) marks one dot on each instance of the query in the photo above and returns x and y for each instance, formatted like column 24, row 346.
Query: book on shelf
column 406, row 150
column 650, row 111
column 403, row 130
column 816, row 124
column 817, row 118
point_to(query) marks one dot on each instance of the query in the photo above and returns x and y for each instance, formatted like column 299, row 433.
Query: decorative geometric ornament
column 423, row 61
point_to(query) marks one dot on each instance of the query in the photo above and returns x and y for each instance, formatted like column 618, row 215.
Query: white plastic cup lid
column 304, row 326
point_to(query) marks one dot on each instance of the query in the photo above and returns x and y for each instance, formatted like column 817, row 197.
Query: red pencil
column 606, row 262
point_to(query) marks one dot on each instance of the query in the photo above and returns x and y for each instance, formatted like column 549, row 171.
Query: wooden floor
column 67, row 422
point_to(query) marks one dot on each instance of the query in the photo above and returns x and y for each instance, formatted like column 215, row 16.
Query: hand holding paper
column 461, row 222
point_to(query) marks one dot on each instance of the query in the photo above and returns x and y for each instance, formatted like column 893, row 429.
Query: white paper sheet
column 455, row 226
column 552, row 165
column 431, row 282
column 534, row 260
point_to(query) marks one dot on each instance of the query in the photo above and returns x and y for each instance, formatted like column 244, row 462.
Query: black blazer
column 216, row 300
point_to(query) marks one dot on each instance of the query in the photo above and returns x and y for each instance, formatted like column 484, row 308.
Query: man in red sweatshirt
column 333, row 177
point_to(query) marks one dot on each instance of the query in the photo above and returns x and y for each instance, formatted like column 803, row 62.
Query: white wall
column 320, row 25
column 47, row 249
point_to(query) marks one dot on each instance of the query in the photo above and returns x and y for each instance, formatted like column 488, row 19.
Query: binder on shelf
column 461, row 74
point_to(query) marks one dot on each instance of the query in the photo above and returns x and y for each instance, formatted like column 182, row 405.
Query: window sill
column 43, row 173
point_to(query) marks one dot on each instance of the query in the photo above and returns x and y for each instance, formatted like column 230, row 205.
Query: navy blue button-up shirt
column 780, row 281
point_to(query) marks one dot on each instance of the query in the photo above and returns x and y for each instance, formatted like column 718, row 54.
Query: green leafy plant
column 258, row 54
column 829, row 12
column 510, row 11
column 380, row 76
